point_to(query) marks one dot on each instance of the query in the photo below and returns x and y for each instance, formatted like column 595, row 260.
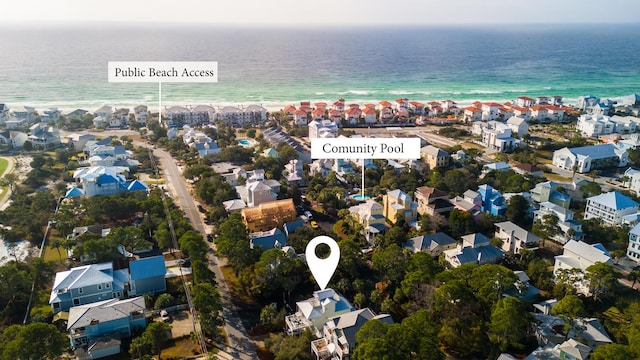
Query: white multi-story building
column 633, row 249
column 141, row 113
column 580, row 255
column 514, row 238
column 498, row 136
column 586, row 158
column 570, row 229
column 595, row 125
column 323, row 129
column 610, row 207
column 314, row 312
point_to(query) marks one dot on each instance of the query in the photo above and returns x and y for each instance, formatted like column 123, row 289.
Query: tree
column 634, row 276
column 157, row 333
column 612, row 352
column 602, row 277
column 292, row 347
column 18, row 342
column 414, row 338
column 569, row 308
column 164, row 301
column 547, row 227
column 460, row 223
column 268, row 314
column 206, row 299
column 509, row 322
column 518, row 210
column 590, row 189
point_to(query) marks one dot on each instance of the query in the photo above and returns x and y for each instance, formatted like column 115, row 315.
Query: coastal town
column 181, row 233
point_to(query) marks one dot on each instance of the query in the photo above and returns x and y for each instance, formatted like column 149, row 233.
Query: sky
column 321, row 12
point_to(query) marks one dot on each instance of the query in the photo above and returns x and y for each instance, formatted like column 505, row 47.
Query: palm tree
column 634, row 276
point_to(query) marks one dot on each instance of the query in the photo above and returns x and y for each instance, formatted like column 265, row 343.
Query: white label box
column 163, row 71
column 365, row 148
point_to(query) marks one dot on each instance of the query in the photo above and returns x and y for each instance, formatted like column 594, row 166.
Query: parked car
column 164, row 316
column 308, row 214
column 314, row 224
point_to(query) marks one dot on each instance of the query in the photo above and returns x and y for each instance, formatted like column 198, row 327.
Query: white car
column 164, row 316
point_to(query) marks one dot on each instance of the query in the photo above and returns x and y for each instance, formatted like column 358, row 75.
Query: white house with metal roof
column 587, row 158
column 580, row 255
column 339, row 334
column 314, row 312
column 610, row 208
column 570, row 229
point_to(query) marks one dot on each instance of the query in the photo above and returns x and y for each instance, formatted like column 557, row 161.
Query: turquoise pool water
column 244, row 142
column 360, row 197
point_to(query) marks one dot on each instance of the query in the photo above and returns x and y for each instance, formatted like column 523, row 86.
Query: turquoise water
column 244, row 142
column 66, row 67
column 360, row 197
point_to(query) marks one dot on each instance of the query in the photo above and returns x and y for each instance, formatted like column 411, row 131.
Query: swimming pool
column 244, row 142
column 360, row 197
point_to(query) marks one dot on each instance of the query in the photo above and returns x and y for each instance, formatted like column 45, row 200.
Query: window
column 80, row 290
column 99, row 286
column 76, row 301
column 107, row 285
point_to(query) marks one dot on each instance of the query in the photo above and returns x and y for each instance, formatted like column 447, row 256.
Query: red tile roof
column 472, row 109
column 384, row 103
column 368, row 111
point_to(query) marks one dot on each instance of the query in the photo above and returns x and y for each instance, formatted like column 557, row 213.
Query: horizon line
column 173, row 24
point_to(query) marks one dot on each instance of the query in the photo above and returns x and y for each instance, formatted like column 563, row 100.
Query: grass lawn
column 52, row 254
column 4, row 163
column 470, row 145
column 556, row 177
column 235, row 288
column 179, row 348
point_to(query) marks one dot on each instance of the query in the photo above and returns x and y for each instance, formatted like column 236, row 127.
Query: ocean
column 66, row 67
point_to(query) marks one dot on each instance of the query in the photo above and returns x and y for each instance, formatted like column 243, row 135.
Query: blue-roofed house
column 475, row 248
column 74, row 192
column 291, row 226
column 610, row 208
column 137, row 185
column 587, row 158
column 492, row 201
column 432, row 244
column 105, row 180
column 87, row 284
column 97, row 282
column 147, row 276
column 496, row 166
column 96, row 329
column 274, row 238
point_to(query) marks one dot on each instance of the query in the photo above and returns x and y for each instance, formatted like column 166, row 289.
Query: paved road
column 240, row 346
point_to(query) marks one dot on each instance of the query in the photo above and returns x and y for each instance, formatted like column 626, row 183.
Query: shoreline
column 274, row 106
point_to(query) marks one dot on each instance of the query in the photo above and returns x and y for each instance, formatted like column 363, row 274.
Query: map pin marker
column 322, row 269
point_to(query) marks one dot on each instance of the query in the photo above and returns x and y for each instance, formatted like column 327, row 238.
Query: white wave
column 401, row 92
column 360, row 92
